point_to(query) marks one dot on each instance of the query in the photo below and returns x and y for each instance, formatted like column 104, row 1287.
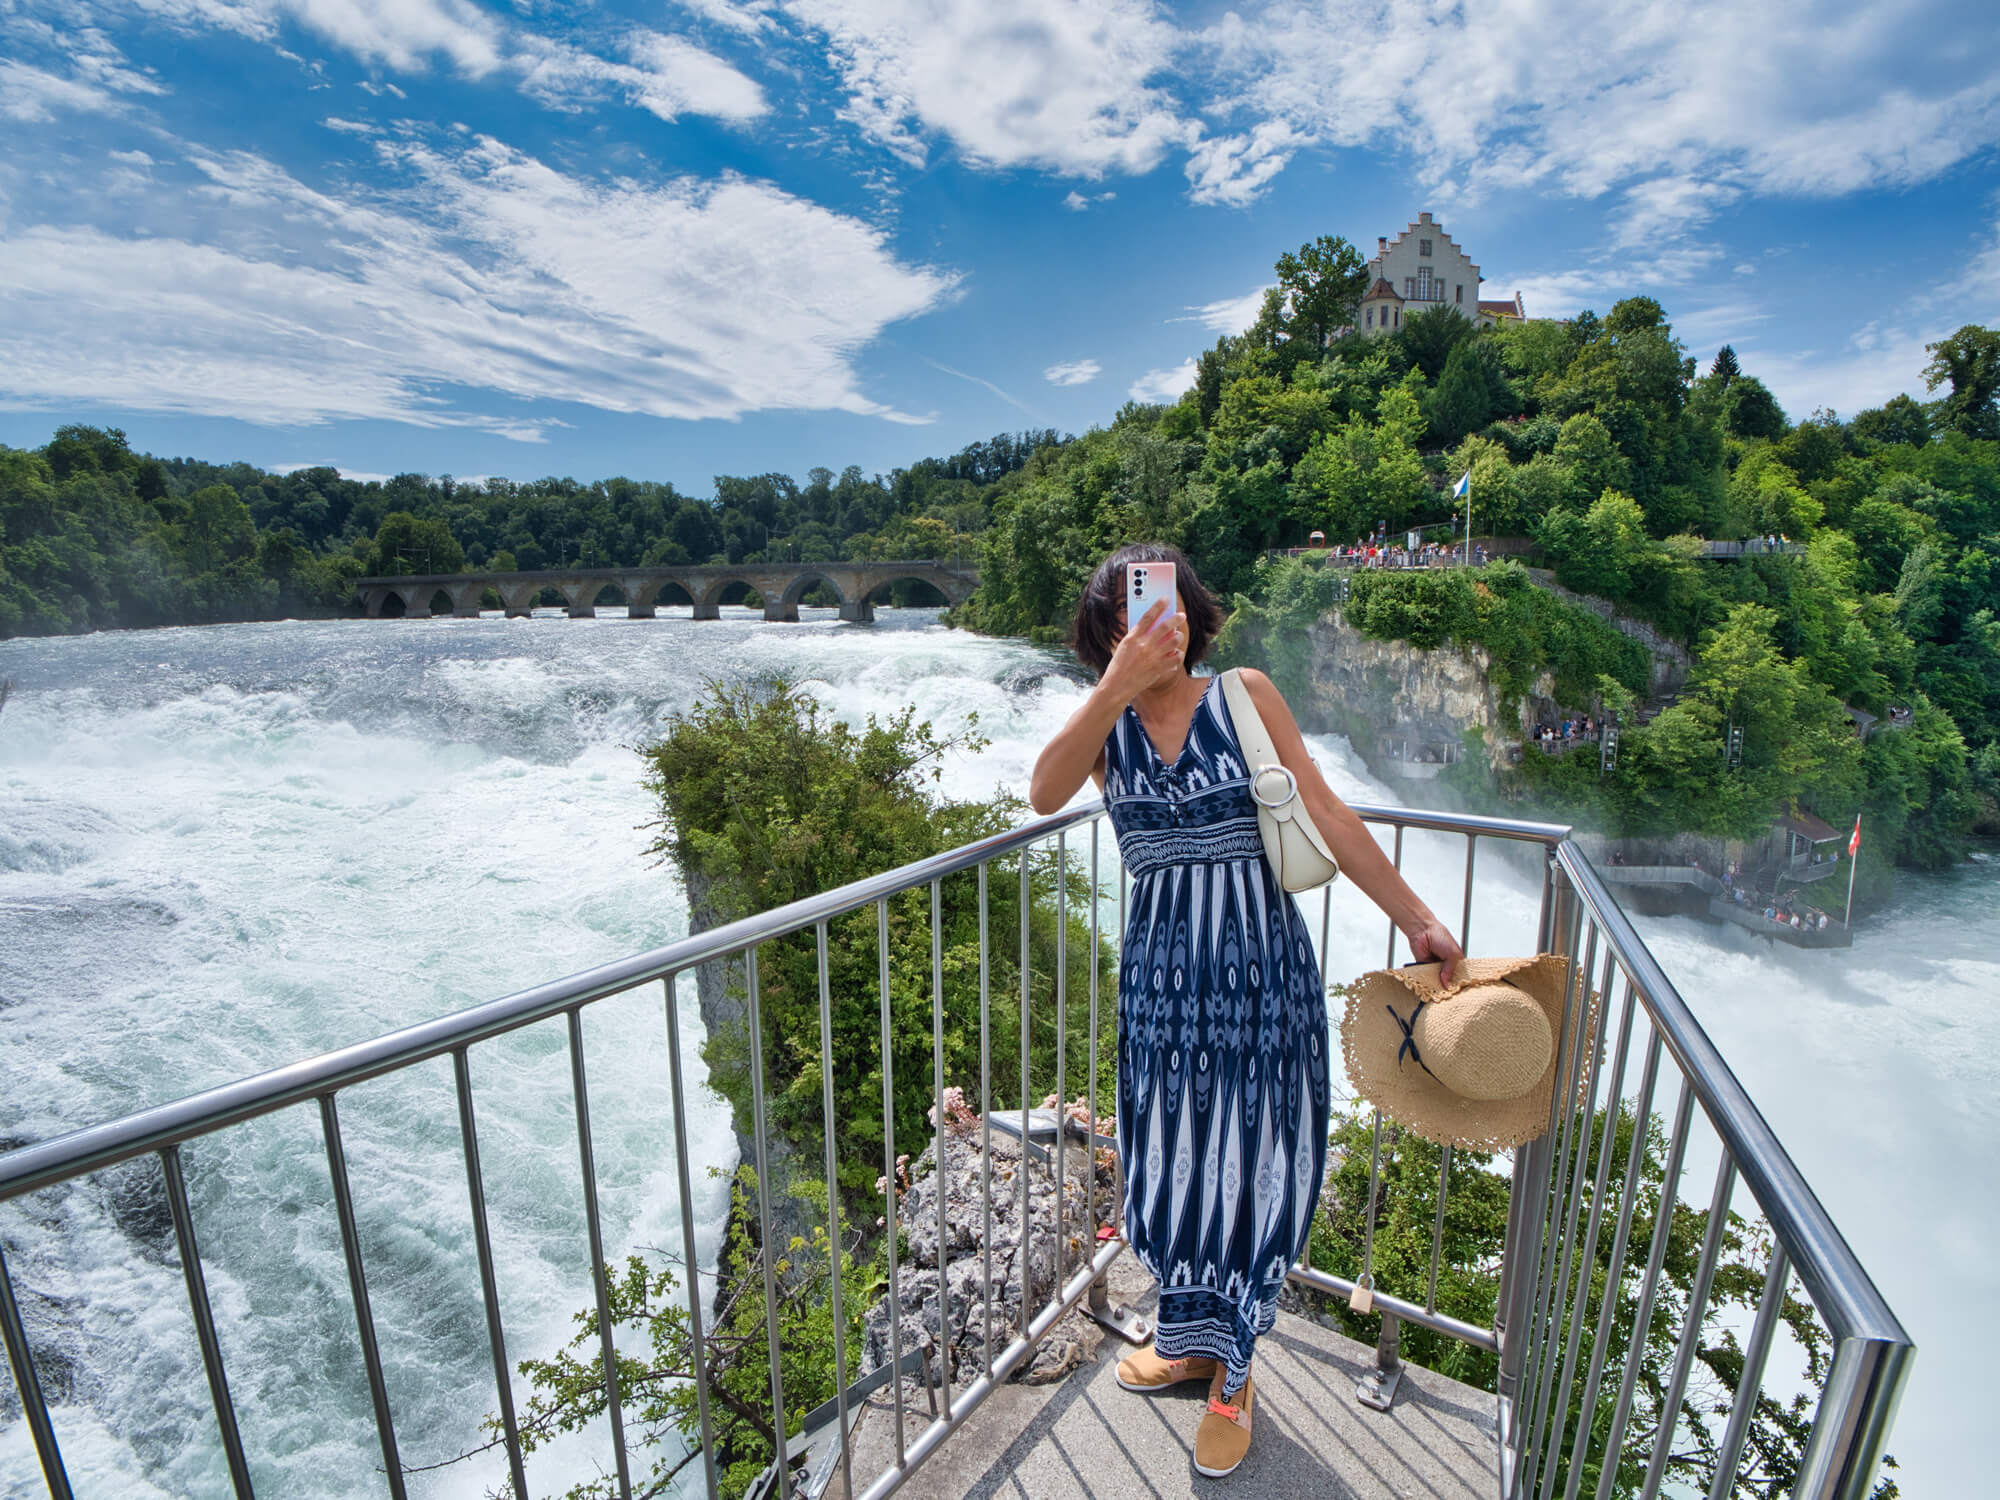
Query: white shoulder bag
column 1293, row 844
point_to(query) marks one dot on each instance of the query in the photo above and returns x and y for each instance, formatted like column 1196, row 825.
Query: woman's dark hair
column 1095, row 633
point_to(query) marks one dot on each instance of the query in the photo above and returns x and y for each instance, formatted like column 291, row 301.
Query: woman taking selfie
column 1222, row 1019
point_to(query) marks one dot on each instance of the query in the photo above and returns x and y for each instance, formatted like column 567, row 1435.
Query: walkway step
column 1088, row 1439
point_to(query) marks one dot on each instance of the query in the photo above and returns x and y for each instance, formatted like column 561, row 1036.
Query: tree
column 1970, row 362
column 1898, row 420
column 408, row 543
column 1462, row 400
column 1749, row 409
column 1321, row 286
column 1427, row 338
column 1724, row 368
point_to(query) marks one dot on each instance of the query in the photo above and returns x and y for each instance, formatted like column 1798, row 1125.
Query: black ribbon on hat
column 1409, row 1040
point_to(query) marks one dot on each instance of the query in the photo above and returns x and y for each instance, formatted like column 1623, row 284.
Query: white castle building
column 1425, row 268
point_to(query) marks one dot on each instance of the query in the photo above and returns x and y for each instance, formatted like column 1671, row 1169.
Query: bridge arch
column 805, row 582
column 881, row 582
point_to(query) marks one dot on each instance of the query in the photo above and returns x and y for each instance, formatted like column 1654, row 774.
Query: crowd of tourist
column 1559, row 736
column 1366, row 554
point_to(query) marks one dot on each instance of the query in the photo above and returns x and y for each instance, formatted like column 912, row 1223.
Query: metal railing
column 1546, row 1320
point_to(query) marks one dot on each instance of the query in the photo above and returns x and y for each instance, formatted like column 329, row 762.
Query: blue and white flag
column 1464, row 483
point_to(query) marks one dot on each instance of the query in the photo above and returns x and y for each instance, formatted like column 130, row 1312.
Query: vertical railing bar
column 1588, row 1260
column 767, row 1255
column 1465, row 916
column 28, row 1386
column 1642, row 1316
column 1614, row 1277
column 204, row 1321
column 691, row 1267
column 1592, row 1034
column 1521, row 1250
column 889, row 1173
column 1090, row 1080
column 1769, row 1308
column 1374, row 1190
column 1437, row 1229
column 489, row 1288
column 1325, row 963
column 985, row 1123
column 1390, row 961
column 833, row 1207
column 1062, row 1037
column 1021, row 1181
column 357, row 1285
column 938, row 1139
column 1549, row 1205
column 614, row 1401
column 1704, row 1281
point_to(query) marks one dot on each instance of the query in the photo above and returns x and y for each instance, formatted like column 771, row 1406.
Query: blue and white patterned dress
column 1222, row 1045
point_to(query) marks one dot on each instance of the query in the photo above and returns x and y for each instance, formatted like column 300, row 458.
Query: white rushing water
column 225, row 849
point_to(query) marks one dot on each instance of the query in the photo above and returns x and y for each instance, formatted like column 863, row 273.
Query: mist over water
column 226, row 849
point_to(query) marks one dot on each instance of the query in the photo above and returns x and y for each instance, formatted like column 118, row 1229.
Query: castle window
column 1425, row 293
column 1460, row 297
column 1423, row 247
column 1371, row 317
column 1409, row 286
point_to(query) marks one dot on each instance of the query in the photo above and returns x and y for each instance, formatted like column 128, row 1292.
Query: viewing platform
column 1540, row 1274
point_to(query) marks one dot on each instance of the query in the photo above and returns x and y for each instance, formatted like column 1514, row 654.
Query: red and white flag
column 1855, row 843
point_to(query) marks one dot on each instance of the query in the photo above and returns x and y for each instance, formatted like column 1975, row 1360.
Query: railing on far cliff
column 1546, row 1318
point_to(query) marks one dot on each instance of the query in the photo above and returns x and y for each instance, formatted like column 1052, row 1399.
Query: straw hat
column 1470, row 1065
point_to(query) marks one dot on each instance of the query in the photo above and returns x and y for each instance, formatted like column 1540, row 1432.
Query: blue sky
column 730, row 236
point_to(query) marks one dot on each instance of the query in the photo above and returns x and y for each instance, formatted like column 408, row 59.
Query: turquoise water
column 224, row 849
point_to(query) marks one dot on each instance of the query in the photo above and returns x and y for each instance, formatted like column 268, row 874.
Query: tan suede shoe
column 1146, row 1372
column 1224, row 1435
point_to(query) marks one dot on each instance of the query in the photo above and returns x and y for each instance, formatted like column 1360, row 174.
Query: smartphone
column 1146, row 583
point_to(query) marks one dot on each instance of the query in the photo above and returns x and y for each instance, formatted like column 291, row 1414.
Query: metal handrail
column 1539, row 1327
column 95, row 1147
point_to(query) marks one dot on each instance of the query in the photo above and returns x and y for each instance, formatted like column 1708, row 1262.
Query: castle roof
column 1382, row 289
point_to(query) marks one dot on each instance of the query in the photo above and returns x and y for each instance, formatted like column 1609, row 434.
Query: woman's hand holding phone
column 1152, row 652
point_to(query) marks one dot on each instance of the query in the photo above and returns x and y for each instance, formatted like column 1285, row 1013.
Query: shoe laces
column 1224, row 1409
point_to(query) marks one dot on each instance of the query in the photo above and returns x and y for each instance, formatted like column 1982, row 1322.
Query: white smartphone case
column 1145, row 585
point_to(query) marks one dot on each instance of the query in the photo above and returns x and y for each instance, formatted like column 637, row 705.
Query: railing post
column 22, row 1362
column 1378, row 1387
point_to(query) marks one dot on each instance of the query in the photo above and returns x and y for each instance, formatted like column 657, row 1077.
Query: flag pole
column 1468, row 518
column 1853, row 864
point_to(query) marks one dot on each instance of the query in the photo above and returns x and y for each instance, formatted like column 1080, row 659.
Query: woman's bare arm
column 1361, row 858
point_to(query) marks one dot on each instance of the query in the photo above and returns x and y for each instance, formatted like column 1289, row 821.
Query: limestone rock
column 959, row 1348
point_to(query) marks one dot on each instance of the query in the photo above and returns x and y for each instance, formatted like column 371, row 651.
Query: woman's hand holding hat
column 1433, row 943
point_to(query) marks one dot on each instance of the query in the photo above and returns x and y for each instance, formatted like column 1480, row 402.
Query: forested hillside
column 94, row 536
column 1597, row 440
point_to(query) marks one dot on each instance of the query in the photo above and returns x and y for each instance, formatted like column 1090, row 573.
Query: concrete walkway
column 1087, row 1437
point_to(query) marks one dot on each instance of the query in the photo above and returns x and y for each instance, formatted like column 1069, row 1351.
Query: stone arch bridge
column 780, row 585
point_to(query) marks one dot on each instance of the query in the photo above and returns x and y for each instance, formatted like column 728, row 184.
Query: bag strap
column 1250, row 731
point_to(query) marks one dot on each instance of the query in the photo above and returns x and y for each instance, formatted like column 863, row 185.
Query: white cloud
column 492, row 272
column 362, row 476
column 1164, row 385
column 132, row 158
column 1077, row 372
column 1233, row 170
column 1068, row 85
column 1585, row 97
column 666, row 75
column 31, row 95
column 1077, row 202
column 1230, row 315
column 748, row 19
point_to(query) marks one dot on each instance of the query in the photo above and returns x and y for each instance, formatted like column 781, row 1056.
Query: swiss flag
column 1855, row 843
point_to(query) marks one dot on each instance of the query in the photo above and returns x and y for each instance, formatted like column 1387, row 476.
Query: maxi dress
column 1222, row 1046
